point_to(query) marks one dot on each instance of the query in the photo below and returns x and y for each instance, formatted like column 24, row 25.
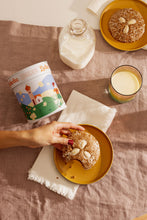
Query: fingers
column 63, row 141
column 65, row 132
column 68, row 125
column 58, row 146
column 62, row 128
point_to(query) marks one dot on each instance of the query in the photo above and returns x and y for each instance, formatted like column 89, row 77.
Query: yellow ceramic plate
column 112, row 8
column 74, row 171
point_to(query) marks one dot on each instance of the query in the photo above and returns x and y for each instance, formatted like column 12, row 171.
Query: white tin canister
column 36, row 91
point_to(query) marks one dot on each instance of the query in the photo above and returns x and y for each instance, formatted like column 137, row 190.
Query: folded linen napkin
column 80, row 110
column 97, row 6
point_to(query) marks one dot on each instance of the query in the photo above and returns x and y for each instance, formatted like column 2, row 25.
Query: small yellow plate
column 112, row 8
column 74, row 171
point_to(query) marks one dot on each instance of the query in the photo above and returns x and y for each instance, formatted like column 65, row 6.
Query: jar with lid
column 77, row 44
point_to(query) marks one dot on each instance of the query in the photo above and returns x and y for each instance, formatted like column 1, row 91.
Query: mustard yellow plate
column 74, row 171
column 112, row 8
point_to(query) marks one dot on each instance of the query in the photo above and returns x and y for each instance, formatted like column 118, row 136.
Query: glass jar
column 77, row 44
column 125, row 83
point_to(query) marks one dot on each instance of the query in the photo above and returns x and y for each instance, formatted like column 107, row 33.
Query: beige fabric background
column 122, row 193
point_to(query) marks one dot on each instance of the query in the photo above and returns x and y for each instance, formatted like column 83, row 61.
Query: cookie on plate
column 85, row 149
column 126, row 25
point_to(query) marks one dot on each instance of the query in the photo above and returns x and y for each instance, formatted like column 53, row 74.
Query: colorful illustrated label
column 39, row 96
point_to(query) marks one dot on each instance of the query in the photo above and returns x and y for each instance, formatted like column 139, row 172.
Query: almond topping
column 126, row 29
column 122, row 20
column 82, row 144
column 75, row 151
column 132, row 21
column 87, row 154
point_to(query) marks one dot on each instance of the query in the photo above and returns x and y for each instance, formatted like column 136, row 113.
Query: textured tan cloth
column 122, row 193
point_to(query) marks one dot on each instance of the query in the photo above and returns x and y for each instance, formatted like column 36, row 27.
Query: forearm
column 14, row 138
column 51, row 133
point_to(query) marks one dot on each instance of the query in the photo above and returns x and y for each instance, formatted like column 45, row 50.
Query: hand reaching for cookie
column 51, row 133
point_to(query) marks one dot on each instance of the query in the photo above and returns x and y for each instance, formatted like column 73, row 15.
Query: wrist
column 39, row 136
column 29, row 138
column 20, row 138
column 24, row 138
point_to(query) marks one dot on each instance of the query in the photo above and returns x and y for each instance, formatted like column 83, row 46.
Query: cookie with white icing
column 85, row 149
column 126, row 25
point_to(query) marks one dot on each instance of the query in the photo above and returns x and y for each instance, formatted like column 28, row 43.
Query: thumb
column 61, row 140
column 58, row 146
column 64, row 141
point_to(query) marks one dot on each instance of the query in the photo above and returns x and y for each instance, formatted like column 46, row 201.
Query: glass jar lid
column 77, row 26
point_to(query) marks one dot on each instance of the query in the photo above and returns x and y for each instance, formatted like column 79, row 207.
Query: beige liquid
column 125, row 82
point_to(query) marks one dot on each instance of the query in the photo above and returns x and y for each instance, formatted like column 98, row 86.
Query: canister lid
column 29, row 73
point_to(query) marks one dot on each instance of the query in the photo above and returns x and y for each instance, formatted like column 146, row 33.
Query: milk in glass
column 77, row 44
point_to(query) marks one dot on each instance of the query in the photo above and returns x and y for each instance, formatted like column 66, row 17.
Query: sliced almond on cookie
column 87, row 154
column 75, row 151
column 82, row 144
column 122, row 20
column 126, row 29
column 132, row 21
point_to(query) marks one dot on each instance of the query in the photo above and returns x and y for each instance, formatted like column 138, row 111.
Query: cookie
column 126, row 25
column 85, row 149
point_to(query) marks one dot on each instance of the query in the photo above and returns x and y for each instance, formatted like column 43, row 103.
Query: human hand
column 53, row 134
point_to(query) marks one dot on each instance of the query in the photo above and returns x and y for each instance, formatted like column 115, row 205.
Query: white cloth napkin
column 97, row 6
column 80, row 110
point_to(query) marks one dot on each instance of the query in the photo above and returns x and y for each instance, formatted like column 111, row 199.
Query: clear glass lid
column 77, row 26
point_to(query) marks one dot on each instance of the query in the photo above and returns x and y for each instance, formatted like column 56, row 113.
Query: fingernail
column 70, row 142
